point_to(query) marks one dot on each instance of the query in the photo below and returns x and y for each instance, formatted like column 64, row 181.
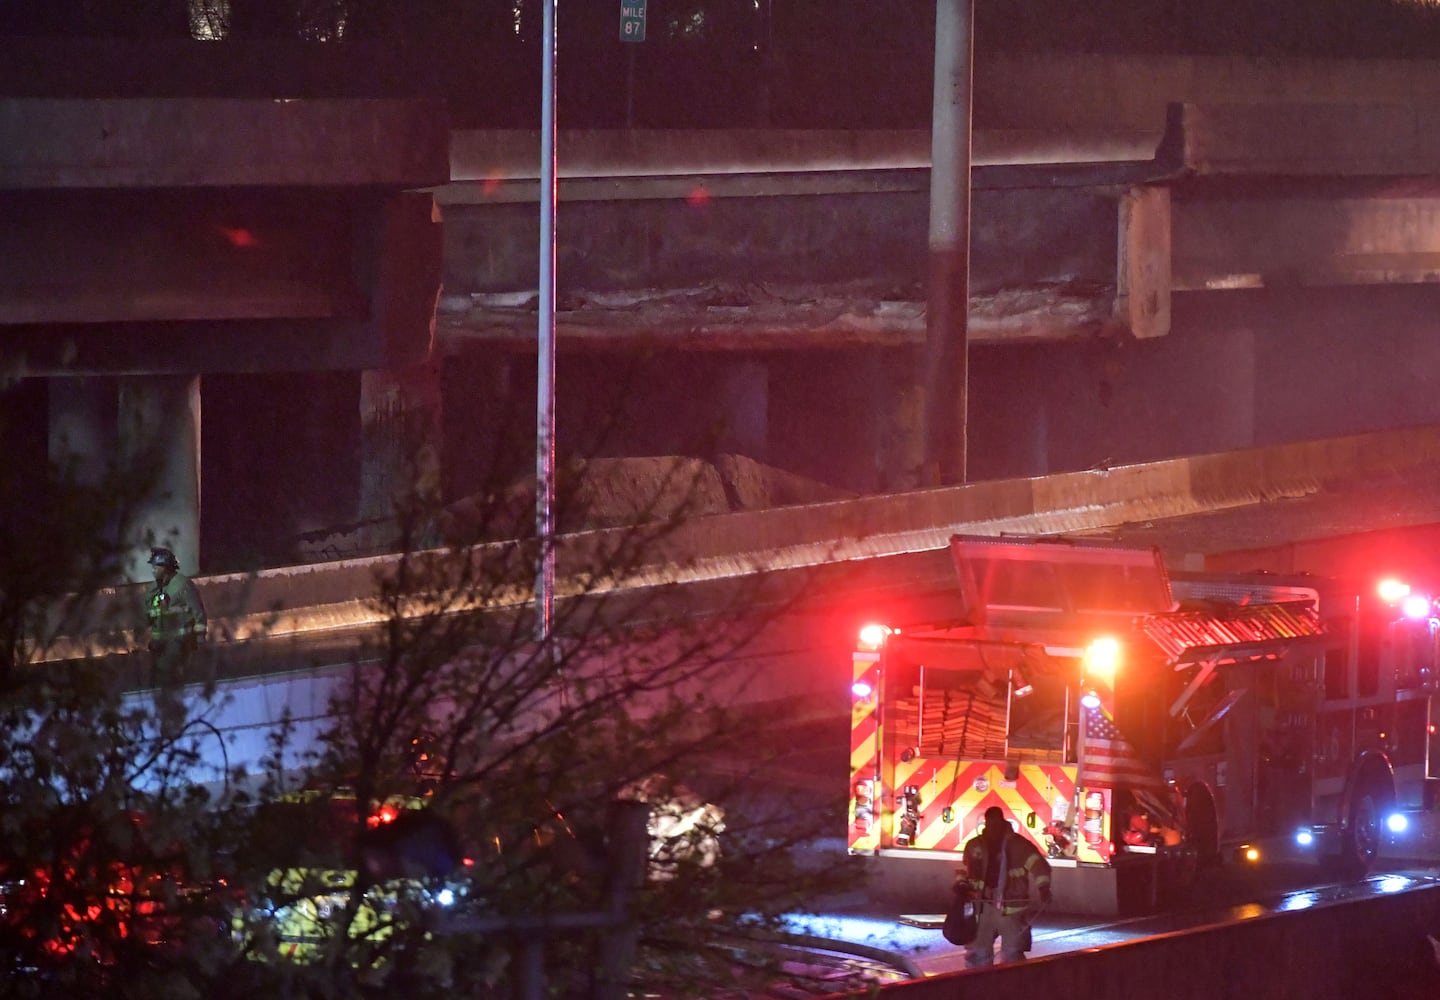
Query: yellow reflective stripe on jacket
column 1030, row 874
column 175, row 610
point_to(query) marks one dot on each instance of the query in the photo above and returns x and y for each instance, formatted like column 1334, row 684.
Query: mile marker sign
column 632, row 20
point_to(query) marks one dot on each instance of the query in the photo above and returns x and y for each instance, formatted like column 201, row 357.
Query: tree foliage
column 132, row 865
column 112, row 850
column 525, row 743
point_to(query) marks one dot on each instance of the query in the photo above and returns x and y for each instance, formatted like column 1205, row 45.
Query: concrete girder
column 357, row 293
column 777, row 319
column 1034, row 276
column 1393, row 139
column 242, row 225
column 1304, row 236
column 499, row 160
column 786, row 260
column 175, row 255
column 1114, row 92
column 57, row 143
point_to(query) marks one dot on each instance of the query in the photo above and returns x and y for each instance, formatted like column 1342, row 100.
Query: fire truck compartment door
column 1048, row 582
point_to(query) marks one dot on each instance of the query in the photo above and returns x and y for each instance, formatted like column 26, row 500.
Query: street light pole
column 945, row 378
column 545, row 352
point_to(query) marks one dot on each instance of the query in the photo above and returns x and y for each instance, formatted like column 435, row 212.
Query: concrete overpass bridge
column 1253, row 267
column 1181, row 256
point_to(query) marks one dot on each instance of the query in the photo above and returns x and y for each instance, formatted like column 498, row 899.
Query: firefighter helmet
column 163, row 557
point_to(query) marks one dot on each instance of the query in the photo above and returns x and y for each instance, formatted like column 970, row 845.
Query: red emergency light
column 1102, row 659
column 1416, row 606
column 1412, row 603
column 387, row 813
column 1393, row 591
column 873, row 636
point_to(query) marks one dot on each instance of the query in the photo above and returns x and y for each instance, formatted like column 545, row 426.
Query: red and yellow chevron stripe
column 963, row 790
column 866, row 803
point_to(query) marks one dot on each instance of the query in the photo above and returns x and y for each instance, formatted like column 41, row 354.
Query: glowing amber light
column 873, row 636
column 1102, row 659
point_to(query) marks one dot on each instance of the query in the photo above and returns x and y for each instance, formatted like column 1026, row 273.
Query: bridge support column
column 82, row 426
column 159, row 437
column 901, row 434
column 1143, row 273
column 745, row 401
column 400, row 433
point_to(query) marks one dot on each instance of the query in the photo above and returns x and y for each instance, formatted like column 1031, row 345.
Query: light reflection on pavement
column 917, row 936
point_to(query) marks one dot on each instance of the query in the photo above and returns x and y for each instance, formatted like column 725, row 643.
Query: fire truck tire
column 1360, row 845
column 1202, row 825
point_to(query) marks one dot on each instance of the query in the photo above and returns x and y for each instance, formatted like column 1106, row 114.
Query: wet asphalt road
column 1232, row 894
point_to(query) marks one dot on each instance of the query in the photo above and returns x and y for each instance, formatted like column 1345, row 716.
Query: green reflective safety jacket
column 175, row 611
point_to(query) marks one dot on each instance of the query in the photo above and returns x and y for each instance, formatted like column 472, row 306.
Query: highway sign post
column 632, row 20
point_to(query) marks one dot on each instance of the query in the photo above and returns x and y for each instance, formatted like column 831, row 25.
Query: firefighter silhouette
column 175, row 619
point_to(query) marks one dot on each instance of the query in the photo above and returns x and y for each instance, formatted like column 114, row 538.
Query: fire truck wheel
column 1362, row 835
column 1202, row 825
column 1370, row 794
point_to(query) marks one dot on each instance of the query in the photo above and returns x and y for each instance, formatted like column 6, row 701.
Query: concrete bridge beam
column 1307, row 238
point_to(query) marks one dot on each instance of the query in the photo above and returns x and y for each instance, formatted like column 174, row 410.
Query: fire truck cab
column 1124, row 729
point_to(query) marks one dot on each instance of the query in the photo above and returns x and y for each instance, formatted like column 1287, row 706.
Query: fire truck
column 1138, row 726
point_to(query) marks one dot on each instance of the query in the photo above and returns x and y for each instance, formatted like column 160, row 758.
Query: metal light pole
column 545, row 352
column 946, row 374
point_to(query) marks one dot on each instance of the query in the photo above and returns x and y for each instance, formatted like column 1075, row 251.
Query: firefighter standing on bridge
column 176, row 618
column 1005, row 873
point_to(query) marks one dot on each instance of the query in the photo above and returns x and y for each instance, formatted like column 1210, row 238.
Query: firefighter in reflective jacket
column 1009, row 878
column 175, row 615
